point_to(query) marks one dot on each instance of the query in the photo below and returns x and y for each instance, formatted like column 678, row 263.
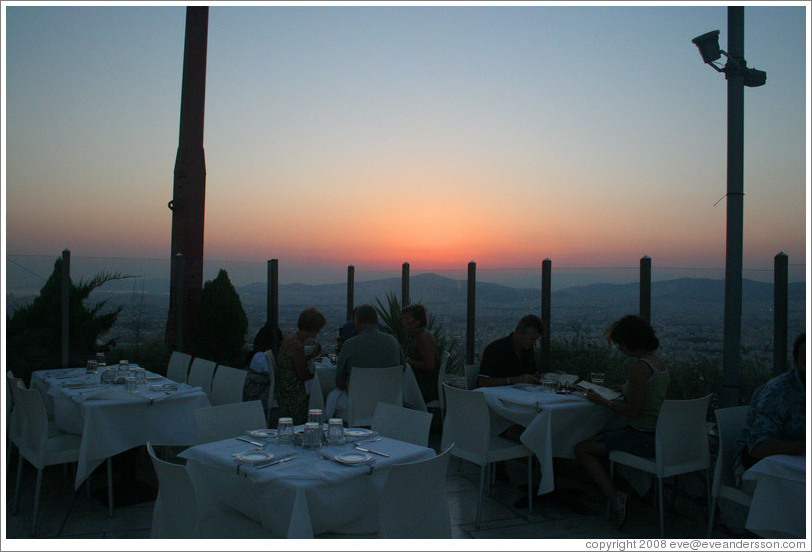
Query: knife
column 369, row 450
column 274, row 462
column 249, row 441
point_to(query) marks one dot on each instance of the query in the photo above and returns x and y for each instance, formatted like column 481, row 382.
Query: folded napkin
column 110, row 394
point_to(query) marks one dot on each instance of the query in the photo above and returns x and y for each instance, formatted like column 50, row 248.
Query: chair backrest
column 441, row 377
column 32, row 437
column 228, row 384
column 729, row 425
column 178, row 367
column 175, row 513
column 368, row 387
column 681, row 438
column 224, row 421
column 404, row 424
column 413, row 503
column 467, row 424
column 272, row 375
column 201, row 374
column 471, row 375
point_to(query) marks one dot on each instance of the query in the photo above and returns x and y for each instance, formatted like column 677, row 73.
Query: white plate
column 253, row 456
column 261, row 433
column 352, row 458
column 358, row 432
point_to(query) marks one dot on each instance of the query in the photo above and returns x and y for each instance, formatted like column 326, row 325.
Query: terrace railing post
column 404, row 285
column 645, row 288
column 273, row 301
column 65, row 308
column 546, row 279
column 470, row 318
column 179, row 287
column 780, row 310
column 350, row 291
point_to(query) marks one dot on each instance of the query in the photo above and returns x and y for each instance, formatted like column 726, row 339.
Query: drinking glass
column 132, row 387
column 314, row 415
column 550, row 382
column 335, row 431
column 284, row 431
column 100, row 359
column 123, row 368
column 596, row 378
column 140, row 375
column 92, row 367
column 312, row 435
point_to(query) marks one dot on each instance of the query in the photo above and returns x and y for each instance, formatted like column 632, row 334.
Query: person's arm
column 296, row 351
column 633, row 405
column 428, row 348
column 770, row 447
column 770, row 418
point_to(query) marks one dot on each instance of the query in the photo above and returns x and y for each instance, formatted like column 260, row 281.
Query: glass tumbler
column 312, row 435
column 596, row 378
column 92, row 367
column 132, row 387
column 335, row 431
column 140, row 375
column 123, row 368
column 314, row 415
column 284, row 431
column 100, row 359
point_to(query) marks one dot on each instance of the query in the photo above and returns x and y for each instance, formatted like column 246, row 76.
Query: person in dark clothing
column 512, row 359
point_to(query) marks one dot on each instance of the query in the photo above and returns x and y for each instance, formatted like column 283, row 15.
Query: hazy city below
column 686, row 312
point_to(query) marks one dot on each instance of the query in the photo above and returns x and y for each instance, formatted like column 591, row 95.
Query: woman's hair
column 416, row 311
column 635, row 333
column 800, row 341
column 311, row 320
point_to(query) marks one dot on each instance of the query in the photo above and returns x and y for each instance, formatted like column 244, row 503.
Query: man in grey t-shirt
column 371, row 348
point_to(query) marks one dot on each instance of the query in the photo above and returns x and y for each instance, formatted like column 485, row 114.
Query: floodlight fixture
column 708, row 45
column 710, row 51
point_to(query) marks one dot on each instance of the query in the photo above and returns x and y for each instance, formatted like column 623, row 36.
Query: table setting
column 319, row 477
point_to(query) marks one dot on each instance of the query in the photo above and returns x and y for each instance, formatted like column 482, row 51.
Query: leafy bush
column 34, row 332
column 221, row 325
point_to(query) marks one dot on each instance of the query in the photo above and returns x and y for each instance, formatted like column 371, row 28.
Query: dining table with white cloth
column 111, row 419
column 324, row 381
column 554, row 423
column 778, row 508
column 306, row 496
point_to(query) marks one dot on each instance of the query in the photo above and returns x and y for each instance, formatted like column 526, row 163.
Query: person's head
column 311, row 321
column 414, row 317
column 364, row 316
column 799, row 355
column 633, row 335
column 528, row 330
column 264, row 339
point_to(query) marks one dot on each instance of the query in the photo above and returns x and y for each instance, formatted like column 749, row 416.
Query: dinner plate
column 352, row 458
column 261, row 433
column 358, row 432
column 254, row 456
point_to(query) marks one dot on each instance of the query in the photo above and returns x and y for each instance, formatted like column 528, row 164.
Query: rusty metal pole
column 780, row 311
column 546, row 281
column 65, row 283
column 273, row 302
column 470, row 319
column 645, row 288
column 350, row 291
column 404, row 285
column 189, row 192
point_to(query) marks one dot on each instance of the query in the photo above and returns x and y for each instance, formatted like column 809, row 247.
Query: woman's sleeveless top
column 656, row 388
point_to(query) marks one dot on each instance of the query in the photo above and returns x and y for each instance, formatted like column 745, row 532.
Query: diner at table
column 115, row 417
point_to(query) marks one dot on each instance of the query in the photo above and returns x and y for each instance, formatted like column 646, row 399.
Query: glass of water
column 284, row 430
column 92, row 367
column 335, row 431
column 312, row 435
column 597, row 378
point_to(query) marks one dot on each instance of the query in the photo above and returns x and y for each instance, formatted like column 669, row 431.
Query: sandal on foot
column 619, row 508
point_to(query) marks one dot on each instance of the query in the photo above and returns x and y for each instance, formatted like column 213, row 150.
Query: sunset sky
column 590, row 135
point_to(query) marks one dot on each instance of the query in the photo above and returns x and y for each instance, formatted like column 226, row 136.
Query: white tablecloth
column 554, row 423
column 111, row 420
column 778, row 510
column 324, row 381
column 300, row 498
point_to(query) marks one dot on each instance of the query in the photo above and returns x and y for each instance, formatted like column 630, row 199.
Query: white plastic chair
column 228, row 384
column 681, row 445
column 215, row 423
column 471, row 375
column 14, row 418
column 175, row 513
column 413, row 503
column 201, row 374
column 468, row 426
column 178, row 367
column 729, row 424
column 403, row 424
column 439, row 402
column 36, row 446
column 368, row 387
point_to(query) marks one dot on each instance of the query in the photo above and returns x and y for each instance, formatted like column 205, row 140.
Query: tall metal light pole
column 738, row 76
column 188, row 201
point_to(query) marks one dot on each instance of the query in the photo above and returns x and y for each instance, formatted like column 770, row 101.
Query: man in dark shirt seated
column 512, row 359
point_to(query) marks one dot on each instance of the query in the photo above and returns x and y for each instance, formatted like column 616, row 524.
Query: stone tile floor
column 578, row 514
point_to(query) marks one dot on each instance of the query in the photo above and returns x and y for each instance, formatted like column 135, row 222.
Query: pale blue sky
column 589, row 135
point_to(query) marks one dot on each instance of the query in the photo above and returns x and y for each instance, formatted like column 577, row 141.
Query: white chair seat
column 729, row 424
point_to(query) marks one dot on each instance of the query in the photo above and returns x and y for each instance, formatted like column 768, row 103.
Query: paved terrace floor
column 578, row 512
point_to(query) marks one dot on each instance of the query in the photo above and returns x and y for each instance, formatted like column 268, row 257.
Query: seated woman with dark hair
column 643, row 396
column 291, row 366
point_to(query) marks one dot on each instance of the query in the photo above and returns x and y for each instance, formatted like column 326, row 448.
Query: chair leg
column 530, row 491
column 110, row 485
column 17, row 486
column 36, row 503
column 711, row 513
column 611, row 478
column 481, row 489
column 660, row 493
